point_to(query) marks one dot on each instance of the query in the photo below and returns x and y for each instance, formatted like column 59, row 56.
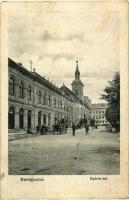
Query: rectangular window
column 58, row 104
column 54, row 102
column 61, row 105
column 49, row 100
column 44, row 98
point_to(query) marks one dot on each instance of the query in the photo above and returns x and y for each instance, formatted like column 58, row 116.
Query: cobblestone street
column 95, row 154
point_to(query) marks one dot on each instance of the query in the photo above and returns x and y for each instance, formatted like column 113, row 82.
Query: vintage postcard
column 64, row 100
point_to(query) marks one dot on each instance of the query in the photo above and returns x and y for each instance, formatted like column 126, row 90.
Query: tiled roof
column 19, row 67
column 35, row 76
column 68, row 92
column 47, row 83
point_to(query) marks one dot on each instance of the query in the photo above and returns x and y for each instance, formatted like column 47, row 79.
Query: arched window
column 21, row 90
column 11, row 87
column 29, row 92
column 39, row 97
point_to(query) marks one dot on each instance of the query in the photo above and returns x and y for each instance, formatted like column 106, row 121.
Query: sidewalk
column 19, row 135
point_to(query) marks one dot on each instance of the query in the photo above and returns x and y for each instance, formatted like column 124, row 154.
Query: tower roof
column 77, row 80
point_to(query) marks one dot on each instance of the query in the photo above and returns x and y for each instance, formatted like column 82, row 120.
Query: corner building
column 33, row 100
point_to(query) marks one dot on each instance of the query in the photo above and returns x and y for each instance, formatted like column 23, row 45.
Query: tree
column 112, row 96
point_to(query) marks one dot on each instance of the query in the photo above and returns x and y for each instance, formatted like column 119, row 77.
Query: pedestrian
column 86, row 128
column 42, row 130
column 66, row 127
column 86, row 125
column 73, row 128
column 92, row 124
column 37, row 129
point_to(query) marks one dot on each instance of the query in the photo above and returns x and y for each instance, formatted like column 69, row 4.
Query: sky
column 54, row 35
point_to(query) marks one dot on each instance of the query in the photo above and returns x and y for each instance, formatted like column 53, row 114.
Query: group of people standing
column 42, row 129
column 61, row 127
column 86, row 126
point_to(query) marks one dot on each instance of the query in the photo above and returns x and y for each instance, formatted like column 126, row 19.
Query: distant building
column 87, row 100
column 98, row 113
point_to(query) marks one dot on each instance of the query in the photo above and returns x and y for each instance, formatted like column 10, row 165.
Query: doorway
column 21, row 118
column 11, row 118
column 39, row 119
column 44, row 119
column 29, row 119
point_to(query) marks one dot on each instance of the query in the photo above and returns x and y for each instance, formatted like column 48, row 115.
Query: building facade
column 98, row 113
column 80, row 109
column 33, row 100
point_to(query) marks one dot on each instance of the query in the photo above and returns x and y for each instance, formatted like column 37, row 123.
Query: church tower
column 77, row 85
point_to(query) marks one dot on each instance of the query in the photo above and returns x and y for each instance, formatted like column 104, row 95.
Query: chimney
column 20, row 64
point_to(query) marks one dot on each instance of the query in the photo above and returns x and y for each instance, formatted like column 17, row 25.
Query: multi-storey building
column 98, row 113
column 33, row 100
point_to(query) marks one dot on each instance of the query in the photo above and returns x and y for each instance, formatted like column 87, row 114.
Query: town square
column 93, row 154
column 63, row 91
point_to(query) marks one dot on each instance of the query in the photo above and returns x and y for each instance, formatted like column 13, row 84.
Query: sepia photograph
column 63, row 90
column 64, row 100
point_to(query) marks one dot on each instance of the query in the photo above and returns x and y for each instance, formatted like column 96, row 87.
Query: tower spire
column 77, row 72
column 77, row 85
